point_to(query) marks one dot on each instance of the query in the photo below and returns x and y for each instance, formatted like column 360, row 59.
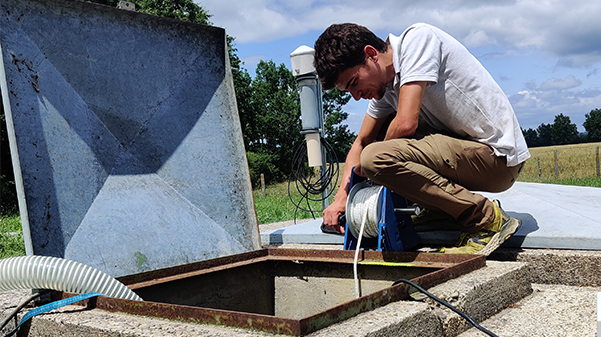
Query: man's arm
column 367, row 134
column 407, row 117
column 403, row 125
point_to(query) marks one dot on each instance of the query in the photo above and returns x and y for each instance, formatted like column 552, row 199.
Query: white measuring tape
column 363, row 217
column 364, row 198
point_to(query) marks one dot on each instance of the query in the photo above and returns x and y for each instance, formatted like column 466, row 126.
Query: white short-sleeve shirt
column 461, row 98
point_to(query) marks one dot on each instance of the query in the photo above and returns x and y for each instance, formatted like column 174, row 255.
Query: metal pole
column 597, row 161
column 324, row 194
column 556, row 166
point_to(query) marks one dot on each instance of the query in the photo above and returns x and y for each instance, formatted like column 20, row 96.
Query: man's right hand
column 332, row 212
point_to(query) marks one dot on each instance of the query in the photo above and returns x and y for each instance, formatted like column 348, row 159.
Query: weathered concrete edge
column 556, row 266
column 480, row 294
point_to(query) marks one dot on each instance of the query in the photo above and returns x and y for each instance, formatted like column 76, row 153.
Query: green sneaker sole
column 510, row 226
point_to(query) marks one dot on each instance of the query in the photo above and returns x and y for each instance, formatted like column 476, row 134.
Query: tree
column 336, row 133
column 531, row 137
column 544, row 135
column 185, row 10
column 8, row 193
column 271, row 118
column 592, row 124
column 269, row 108
column 563, row 131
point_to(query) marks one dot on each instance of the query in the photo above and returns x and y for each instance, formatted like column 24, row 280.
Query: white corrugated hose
column 46, row 272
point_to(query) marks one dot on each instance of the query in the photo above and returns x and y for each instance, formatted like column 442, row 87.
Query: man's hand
column 332, row 212
column 367, row 134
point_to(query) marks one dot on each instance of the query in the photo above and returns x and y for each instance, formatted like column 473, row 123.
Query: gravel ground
column 551, row 310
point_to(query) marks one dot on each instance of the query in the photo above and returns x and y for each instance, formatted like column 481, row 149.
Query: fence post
column 556, row 166
column 263, row 183
column 597, row 150
column 539, row 171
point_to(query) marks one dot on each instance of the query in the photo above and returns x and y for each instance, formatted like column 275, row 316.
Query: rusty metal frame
column 445, row 267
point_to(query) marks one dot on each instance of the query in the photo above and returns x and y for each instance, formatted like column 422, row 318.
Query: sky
column 545, row 55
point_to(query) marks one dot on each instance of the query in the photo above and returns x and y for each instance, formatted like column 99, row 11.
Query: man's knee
column 367, row 161
column 375, row 157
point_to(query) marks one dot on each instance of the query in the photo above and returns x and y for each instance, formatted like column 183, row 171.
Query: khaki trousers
column 439, row 172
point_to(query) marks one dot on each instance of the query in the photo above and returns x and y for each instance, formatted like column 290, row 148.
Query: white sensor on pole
column 310, row 99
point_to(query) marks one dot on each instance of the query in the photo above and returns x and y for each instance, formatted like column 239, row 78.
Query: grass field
column 276, row 206
column 576, row 166
column 11, row 237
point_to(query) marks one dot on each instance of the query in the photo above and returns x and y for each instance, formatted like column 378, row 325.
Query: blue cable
column 56, row 305
column 52, row 306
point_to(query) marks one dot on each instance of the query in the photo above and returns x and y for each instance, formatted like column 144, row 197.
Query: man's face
column 363, row 81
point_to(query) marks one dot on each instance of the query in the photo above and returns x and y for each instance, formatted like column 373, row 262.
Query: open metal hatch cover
column 125, row 137
column 293, row 292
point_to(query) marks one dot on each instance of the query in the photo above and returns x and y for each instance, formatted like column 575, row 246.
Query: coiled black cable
column 309, row 185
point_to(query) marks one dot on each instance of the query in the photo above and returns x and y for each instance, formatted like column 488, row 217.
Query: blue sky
column 545, row 55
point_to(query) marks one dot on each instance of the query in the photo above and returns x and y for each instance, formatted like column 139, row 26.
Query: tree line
column 562, row 131
column 268, row 106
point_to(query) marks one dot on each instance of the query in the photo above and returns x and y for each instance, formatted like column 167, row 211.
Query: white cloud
column 565, row 29
column 478, row 38
column 252, row 61
column 555, row 84
column 562, row 35
column 541, row 104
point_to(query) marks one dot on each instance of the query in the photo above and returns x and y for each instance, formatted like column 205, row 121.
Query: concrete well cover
column 125, row 136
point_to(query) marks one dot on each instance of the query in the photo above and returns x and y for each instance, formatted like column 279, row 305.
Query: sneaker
column 489, row 238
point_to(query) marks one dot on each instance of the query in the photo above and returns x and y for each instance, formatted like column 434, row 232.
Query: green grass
column 575, row 163
column 11, row 237
column 590, row 182
column 276, row 206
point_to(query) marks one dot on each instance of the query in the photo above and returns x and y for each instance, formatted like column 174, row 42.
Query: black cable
column 14, row 313
column 305, row 182
column 446, row 304
column 12, row 332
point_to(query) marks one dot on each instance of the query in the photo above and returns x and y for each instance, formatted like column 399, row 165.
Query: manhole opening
column 284, row 291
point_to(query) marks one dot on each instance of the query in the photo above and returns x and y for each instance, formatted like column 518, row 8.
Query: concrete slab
column 306, row 232
column 310, row 233
column 553, row 216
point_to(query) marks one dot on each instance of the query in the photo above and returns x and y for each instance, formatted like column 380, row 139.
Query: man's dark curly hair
column 340, row 47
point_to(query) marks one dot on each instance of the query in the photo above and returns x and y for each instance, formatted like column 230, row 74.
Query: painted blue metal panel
column 127, row 134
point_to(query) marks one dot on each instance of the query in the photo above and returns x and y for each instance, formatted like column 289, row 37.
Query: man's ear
column 370, row 53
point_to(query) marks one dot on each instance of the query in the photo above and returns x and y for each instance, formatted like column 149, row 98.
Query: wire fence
column 575, row 161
